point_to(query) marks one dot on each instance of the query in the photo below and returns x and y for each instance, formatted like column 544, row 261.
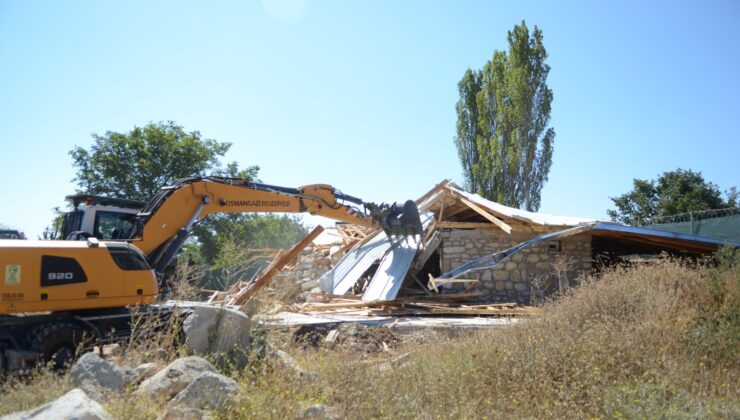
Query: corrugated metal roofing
column 394, row 264
column 392, row 270
column 668, row 239
column 340, row 279
column 518, row 214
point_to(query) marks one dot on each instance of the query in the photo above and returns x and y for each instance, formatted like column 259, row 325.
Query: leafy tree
column 674, row 192
column 135, row 165
column 503, row 139
column 467, row 127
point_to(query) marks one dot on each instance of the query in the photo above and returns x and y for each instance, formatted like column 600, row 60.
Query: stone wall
column 533, row 273
column 304, row 276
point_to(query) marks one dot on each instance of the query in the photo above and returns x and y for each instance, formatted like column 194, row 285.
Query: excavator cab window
column 113, row 225
column 128, row 259
column 72, row 222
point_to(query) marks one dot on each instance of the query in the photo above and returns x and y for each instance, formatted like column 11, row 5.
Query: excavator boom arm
column 163, row 224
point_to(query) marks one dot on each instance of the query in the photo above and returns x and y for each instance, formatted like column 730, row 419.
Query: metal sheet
column 393, row 264
column 340, row 279
column 668, row 239
column 673, row 236
column 389, row 277
column 392, row 270
column 521, row 215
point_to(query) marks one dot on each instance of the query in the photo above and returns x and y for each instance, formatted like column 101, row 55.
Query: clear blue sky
column 362, row 94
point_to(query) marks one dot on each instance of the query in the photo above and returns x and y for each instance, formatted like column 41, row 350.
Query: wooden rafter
column 281, row 261
column 433, row 191
column 464, row 225
column 493, row 219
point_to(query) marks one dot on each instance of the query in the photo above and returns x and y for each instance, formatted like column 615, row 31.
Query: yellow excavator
column 56, row 292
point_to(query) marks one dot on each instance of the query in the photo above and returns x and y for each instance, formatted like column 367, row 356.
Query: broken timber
column 248, row 292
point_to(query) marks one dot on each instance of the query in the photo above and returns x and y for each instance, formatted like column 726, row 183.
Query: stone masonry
column 528, row 275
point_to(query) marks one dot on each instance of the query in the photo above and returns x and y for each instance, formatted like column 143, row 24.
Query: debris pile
column 475, row 257
column 302, row 265
column 349, row 337
column 478, row 257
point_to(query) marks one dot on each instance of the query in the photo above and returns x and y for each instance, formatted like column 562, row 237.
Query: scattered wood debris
column 405, row 306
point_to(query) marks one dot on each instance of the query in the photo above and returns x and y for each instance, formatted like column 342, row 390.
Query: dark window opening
column 127, row 259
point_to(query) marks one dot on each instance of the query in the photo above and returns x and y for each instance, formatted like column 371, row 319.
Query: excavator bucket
column 402, row 220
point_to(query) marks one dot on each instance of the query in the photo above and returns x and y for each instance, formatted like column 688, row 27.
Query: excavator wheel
column 58, row 344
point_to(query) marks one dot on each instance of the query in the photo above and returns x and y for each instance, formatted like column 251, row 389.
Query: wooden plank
column 346, row 247
column 416, row 279
column 465, row 225
column 449, row 281
column 433, row 284
column 442, row 208
column 432, row 191
column 493, row 219
column 444, row 296
column 430, row 231
column 248, row 292
column 429, row 247
column 452, row 211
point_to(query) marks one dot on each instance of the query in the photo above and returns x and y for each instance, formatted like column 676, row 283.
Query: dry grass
column 20, row 394
column 648, row 342
column 652, row 341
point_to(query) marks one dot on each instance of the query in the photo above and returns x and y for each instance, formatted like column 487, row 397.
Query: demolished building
column 475, row 257
column 514, row 255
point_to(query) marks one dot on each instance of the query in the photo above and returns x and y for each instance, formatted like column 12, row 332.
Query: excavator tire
column 58, row 344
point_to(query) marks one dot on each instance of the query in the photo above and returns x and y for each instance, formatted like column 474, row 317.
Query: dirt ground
column 350, row 337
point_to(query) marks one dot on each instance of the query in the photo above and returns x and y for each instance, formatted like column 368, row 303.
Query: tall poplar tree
column 503, row 139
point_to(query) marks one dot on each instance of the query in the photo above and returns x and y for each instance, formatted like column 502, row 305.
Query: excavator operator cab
column 99, row 217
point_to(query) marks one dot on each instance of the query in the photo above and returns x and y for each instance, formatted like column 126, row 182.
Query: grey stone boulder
column 208, row 391
column 74, row 405
column 145, row 371
column 216, row 329
column 92, row 370
column 174, row 377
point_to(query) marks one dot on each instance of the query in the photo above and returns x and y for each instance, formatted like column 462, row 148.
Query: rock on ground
column 166, row 383
column 184, row 413
column 145, row 371
column 208, row 391
column 315, row 411
column 90, row 369
column 74, row 405
column 287, row 361
column 214, row 330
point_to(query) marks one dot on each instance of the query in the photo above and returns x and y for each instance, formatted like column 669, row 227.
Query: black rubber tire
column 58, row 344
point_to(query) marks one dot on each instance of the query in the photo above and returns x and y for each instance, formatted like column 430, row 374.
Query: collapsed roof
column 447, row 206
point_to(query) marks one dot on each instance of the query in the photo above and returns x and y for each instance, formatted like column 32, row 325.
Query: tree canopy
column 503, row 112
column 136, row 164
column 673, row 192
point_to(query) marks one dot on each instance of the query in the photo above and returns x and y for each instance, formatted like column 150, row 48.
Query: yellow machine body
column 41, row 276
column 52, row 276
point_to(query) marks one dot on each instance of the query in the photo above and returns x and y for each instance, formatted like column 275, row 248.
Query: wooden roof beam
column 491, row 218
